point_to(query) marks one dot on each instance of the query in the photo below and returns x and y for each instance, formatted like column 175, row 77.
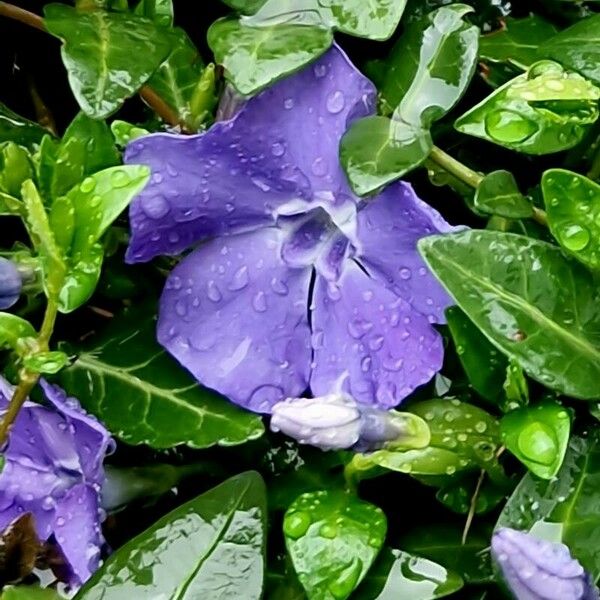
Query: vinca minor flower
column 53, row 469
column 536, row 569
column 10, row 283
column 296, row 281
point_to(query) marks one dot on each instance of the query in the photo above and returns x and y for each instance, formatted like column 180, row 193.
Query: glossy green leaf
column 577, row 47
column 515, row 386
column 11, row 206
column 87, row 146
column 529, row 300
column 159, row 11
column 254, row 57
column 459, row 491
column 463, row 437
column 165, row 406
column 13, row 331
column 15, row 168
column 498, row 194
column 81, row 278
column 538, row 436
column 30, row 592
column 570, row 499
column 125, row 132
column 431, row 65
column 573, row 208
column 517, row 42
column 397, row 574
column 210, row 547
column 247, row 7
column 46, row 362
column 332, row 538
column 98, row 47
column 484, row 365
column 17, row 129
column 376, row 151
column 520, row 125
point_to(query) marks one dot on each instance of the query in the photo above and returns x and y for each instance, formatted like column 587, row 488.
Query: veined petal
column 365, row 332
column 235, row 315
column 388, row 229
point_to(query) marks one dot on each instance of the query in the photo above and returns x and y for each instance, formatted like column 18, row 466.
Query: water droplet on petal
column 259, row 302
column 405, row 273
column 335, row 102
column 213, row 292
column 319, row 167
column 240, row 279
column 288, row 103
column 278, row 149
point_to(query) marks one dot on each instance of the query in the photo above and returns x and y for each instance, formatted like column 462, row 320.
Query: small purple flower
column 10, row 283
column 53, row 469
column 535, row 569
column 297, row 282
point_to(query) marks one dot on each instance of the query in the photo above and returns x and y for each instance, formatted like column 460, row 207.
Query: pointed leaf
column 14, row 128
column 498, row 194
column 159, row 11
column 14, row 330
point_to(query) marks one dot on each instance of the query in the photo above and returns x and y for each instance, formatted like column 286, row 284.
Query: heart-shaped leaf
column 183, row 554
column 165, row 406
column 573, row 208
column 332, row 538
column 538, row 436
column 529, row 300
column 498, row 194
column 97, row 50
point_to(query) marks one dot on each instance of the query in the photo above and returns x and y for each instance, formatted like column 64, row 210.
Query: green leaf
column 577, row 47
column 498, row 194
column 87, row 146
column 159, row 11
column 515, row 386
column 376, row 151
column 30, row 592
column 459, row 491
column 14, row 331
column 210, row 547
column 46, row 362
column 17, row 129
column 81, row 278
column 573, row 208
column 254, row 57
column 125, row 132
column 397, row 574
column 15, row 168
column 332, row 538
column 165, row 406
column 247, row 7
column 484, row 365
column 517, row 42
column 463, row 437
column 431, row 65
column 98, row 48
column 570, row 499
column 517, row 124
column 529, row 300
column 538, row 437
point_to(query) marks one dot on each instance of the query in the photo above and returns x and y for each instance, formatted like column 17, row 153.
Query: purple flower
column 297, row 282
column 53, row 469
column 10, row 283
column 536, row 569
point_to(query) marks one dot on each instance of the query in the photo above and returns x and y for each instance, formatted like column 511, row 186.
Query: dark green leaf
column 165, row 406
column 529, row 300
column 538, row 437
column 577, row 47
column 376, row 151
column 517, row 42
column 15, row 168
column 14, row 331
column 570, row 499
column 459, row 491
column 210, row 547
column 498, row 194
column 98, row 48
column 159, row 11
column 515, row 386
column 397, row 574
column 14, row 128
column 484, row 365
column 430, row 67
column 254, row 57
column 573, row 207
column 332, row 538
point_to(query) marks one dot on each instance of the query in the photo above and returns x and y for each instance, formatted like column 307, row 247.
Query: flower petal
column 235, row 315
column 77, row 532
column 388, row 229
column 280, row 148
column 362, row 330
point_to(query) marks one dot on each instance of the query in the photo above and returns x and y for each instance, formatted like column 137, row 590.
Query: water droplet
column 480, row 426
column 88, row 185
column 259, row 302
column 319, row 167
column 48, row 503
column 509, row 126
column 278, row 149
column 119, row 178
column 405, row 273
column 60, row 522
column 154, row 207
column 288, row 103
column 347, row 580
column 574, row 237
column 359, row 328
column 365, row 364
column 213, row 292
column 240, row 279
column 335, row 102
column 537, row 442
column 296, row 524
column 376, row 342
column 320, row 70
column 279, row 287
column 328, row 531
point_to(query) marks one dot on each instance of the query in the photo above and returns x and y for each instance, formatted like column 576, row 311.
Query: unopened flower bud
column 10, row 283
column 331, row 422
column 535, row 569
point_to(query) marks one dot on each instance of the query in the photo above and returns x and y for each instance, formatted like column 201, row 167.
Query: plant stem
column 456, row 168
column 473, row 507
column 158, row 105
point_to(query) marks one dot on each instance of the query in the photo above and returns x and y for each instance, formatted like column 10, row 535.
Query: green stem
column 456, row 168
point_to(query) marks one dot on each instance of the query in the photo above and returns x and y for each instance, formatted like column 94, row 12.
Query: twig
column 43, row 114
column 456, row 168
column 24, row 16
column 473, row 507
